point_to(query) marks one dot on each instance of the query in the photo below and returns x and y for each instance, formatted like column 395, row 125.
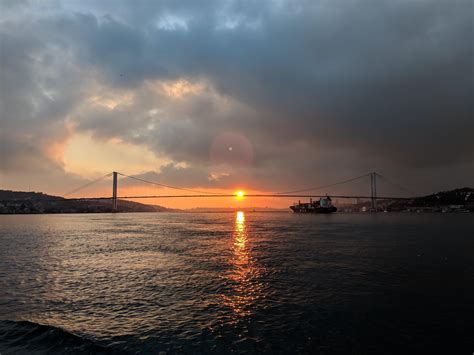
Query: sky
column 219, row 95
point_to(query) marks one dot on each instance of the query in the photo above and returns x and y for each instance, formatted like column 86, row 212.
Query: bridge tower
column 114, row 192
column 373, row 190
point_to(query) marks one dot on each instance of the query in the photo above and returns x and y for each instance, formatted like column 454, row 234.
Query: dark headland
column 20, row 202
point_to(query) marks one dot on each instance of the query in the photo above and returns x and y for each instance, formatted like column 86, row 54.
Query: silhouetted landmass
column 458, row 200
column 453, row 197
column 19, row 202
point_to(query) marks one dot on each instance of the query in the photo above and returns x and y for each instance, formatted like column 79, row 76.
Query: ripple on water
column 257, row 282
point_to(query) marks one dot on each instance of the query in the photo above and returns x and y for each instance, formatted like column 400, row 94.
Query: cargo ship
column 324, row 205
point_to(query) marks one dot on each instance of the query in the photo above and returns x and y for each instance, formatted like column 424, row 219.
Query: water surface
column 253, row 282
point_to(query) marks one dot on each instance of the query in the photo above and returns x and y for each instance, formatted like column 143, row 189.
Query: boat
column 324, row 205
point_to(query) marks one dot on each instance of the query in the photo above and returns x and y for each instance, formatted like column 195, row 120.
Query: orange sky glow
column 89, row 157
column 236, row 202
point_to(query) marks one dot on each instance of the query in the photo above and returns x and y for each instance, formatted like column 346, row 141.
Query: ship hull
column 322, row 210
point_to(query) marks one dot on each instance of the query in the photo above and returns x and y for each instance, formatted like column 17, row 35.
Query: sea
column 241, row 282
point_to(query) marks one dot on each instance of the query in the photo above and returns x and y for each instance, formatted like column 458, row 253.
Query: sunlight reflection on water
column 245, row 273
column 240, row 282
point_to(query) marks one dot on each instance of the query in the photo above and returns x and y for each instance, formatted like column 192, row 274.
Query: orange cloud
column 177, row 89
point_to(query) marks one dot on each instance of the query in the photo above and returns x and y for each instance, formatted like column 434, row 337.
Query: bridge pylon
column 114, row 191
column 373, row 190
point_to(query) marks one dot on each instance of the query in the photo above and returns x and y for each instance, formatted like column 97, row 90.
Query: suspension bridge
column 193, row 193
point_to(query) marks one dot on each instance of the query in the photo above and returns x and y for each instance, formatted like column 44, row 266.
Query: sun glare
column 239, row 194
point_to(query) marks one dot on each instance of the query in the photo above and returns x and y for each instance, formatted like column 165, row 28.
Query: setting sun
column 236, row 176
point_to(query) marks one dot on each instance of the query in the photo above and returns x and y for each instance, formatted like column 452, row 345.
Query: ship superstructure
column 324, row 205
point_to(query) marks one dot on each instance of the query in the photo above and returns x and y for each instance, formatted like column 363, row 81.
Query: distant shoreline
column 237, row 210
column 20, row 202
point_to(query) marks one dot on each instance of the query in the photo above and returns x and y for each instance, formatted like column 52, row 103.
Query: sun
column 239, row 194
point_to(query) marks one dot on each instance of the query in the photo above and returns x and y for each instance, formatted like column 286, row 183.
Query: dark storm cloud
column 315, row 86
column 362, row 74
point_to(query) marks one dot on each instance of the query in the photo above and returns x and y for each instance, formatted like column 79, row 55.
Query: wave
column 25, row 337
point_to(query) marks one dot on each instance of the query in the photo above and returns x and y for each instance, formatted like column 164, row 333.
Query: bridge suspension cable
column 87, row 184
column 170, row 186
column 395, row 184
column 323, row 187
column 200, row 193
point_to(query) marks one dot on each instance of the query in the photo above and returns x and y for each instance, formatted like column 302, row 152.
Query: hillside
column 454, row 197
column 458, row 200
column 20, row 202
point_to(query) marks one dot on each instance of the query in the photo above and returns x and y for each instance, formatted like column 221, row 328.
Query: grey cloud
column 365, row 75
column 387, row 84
